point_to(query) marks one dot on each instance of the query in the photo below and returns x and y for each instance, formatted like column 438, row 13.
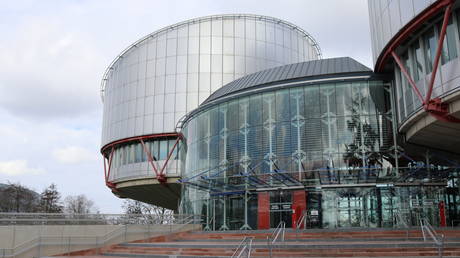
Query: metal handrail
column 100, row 240
column 279, row 231
column 437, row 238
column 400, row 220
column 303, row 220
column 244, row 247
column 7, row 218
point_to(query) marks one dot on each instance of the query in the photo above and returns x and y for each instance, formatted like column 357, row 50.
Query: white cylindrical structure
column 165, row 75
column 160, row 78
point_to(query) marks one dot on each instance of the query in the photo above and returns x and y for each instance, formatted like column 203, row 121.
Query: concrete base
column 424, row 130
column 151, row 191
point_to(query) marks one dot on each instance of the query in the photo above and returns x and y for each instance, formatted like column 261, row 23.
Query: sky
column 53, row 54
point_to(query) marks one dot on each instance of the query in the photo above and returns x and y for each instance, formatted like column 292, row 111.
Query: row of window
column 333, row 101
column 134, row 153
column 418, row 59
column 335, row 125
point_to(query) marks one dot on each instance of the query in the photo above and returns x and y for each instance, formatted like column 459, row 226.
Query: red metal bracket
column 434, row 107
column 159, row 172
column 407, row 75
column 111, row 185
column 442, row 35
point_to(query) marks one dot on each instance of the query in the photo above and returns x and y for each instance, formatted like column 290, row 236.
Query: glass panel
column 312, row 107
column 163, row 152
column 154, row 150
column 418, row 61
column 449, row 47
column 282, row 105
column 430, row 49
column 344, row 103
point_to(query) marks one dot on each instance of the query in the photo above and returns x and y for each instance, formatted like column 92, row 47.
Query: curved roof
column 200, row 19
column 317, row 69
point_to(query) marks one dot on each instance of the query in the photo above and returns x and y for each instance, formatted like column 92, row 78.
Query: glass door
column 280, row 208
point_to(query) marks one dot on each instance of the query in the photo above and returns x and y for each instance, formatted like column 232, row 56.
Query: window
column 154, row 150
column 430, row 49
column 449, row 47
column 418, row 61
column 163, row 150
column 175, row 152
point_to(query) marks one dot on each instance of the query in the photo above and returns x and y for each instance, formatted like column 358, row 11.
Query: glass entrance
column 350, row 211
column 280, row 208
column 314, row 212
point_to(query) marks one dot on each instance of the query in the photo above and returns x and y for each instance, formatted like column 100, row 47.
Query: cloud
column 18, row 167
column 48, row 71
column 74, row 155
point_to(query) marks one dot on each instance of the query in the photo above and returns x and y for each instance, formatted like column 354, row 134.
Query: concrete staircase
column 308, row 243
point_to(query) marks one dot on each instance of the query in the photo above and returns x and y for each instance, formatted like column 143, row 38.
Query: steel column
column 438, row 52
column 407, row 75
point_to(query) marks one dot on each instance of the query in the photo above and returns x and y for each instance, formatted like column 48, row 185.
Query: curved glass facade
column 325, row 151
column 130, row 161
column 297, row 129
column 324, row 135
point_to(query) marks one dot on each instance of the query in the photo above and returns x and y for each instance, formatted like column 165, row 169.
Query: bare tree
column 79, row 204
column 17, row 198
column 50, row 200
column 153, row 214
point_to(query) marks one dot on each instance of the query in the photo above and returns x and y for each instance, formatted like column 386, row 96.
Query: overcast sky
column 53, row 55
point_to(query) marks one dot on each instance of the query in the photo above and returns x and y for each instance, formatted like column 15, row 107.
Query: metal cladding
column 161, row 77
column 315, row 69
column 387, row 18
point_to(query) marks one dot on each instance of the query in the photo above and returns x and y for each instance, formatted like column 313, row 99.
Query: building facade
column 152, row 84
column 417, row 42
column 277, row 134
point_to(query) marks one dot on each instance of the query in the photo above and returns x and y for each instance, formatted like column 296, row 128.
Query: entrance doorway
column 280, row 208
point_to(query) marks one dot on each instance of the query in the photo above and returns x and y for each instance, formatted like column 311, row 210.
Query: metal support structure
column 107, row 171
column 433, row 106
column 158, row 171
column 224, row 163
column 408, row 77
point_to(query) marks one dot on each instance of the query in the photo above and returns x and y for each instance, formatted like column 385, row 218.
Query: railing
column 300, row 222
column 209, row 225
column 438, row 239
column 278, row 234
column 7, row 218
column 400, row 221
column 121, row 234
column 244, row 248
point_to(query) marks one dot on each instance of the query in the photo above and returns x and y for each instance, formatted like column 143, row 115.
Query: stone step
column 385, row 243
column 294, row 245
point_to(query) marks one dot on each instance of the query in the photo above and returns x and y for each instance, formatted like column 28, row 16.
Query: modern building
column 153, row 83
column 277, row 138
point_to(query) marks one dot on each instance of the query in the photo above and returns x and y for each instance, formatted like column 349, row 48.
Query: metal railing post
column 269, row 246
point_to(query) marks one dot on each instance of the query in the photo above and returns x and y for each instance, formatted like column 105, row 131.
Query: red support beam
column 434, row 107
column 150, row 158
column 159, row 172
column 111, row 185
column 442, row 35
column 169, row 156
column 406, row 74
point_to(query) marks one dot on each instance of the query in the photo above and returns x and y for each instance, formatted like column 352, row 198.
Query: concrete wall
column 44, row 240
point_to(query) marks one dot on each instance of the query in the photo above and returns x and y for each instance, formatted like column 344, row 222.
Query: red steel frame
column 433, row 106
column 159, row 172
